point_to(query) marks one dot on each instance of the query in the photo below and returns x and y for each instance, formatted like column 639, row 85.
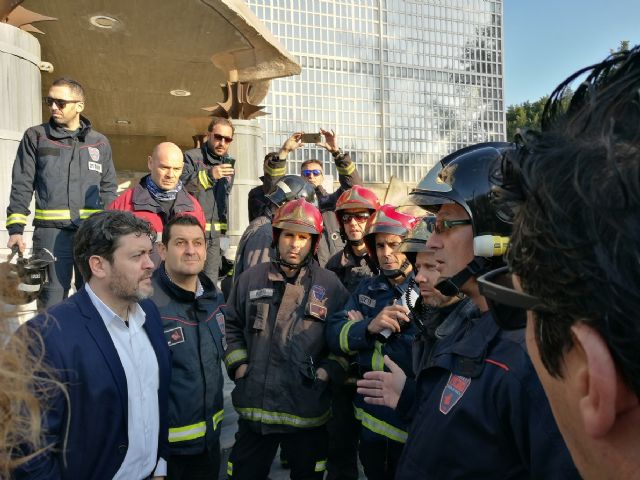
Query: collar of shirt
column 136, row 316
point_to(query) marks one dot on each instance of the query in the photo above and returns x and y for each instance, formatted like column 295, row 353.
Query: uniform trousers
column 380, row 459
column 253, row 453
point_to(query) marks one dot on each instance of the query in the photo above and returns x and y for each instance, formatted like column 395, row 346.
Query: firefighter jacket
column 71, row 174
column 276, row 326
column 476, row 387
column 352, row 338
column 351, row 269
column 194, row 330
column 212, row 194
column 139, row 201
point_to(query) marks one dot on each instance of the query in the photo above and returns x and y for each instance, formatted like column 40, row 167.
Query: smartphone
column 310, row 137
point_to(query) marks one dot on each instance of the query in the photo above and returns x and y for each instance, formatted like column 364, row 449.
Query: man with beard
column 208, row 175
column 277, row 353
column 193, row 325
column 106, row 345
column 68, row 166
column 352, row 264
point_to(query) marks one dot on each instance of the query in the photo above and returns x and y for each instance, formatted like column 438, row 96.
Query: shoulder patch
column 453, row 392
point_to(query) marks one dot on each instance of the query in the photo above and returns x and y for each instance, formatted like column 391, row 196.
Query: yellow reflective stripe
column 282, row 418
column 275, row 171
column 378, row 426
column 229, row 468
column 235, row 356
column 16, row 218
column 341, row 361
column 218, row 227
column 377, row 359
column 204, row 180
column 86, row 213
column 346, row 170
column 52, row 215
column 217, row 418
column 188, row 432
column 321, row 465
column 344, row 337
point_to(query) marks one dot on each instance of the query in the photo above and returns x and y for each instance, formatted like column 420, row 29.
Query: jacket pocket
column 260, row 315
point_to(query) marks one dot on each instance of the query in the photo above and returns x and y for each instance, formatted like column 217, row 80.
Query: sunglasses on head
column 220, row 138
column 441, row 226
column 59, row 102
column 508, row 305
column 358, row 217
column 315, row 172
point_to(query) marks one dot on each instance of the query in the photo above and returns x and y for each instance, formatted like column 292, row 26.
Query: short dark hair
column 573, row 193
column 73, row 85
column 310, row 161
column 100, row 235
column 220, row 121
column 184, row 220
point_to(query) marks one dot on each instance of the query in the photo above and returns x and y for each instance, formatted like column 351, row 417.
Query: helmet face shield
column 291, row 187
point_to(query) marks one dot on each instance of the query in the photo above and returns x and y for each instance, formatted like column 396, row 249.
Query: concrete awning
column 151, row 49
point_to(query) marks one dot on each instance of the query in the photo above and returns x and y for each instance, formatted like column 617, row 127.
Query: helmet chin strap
column 450, row 287
column 397, row 272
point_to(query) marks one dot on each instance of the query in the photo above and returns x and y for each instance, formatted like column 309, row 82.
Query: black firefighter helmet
column 22, row 280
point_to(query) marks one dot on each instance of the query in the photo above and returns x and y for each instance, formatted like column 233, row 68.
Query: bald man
column 160, row 195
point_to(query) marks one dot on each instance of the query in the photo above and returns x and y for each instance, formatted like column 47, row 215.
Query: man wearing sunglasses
column 573, row 188
column 478, row 388
column 68, row 166
column 208, row 175
column 348, row 176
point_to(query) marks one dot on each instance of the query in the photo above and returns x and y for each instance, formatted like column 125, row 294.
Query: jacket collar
column 179, row 293
column 56, row 131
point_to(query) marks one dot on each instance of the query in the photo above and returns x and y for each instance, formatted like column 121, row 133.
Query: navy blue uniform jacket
column 94, row 418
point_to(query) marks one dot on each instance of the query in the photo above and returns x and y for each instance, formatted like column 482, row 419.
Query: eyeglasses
column 307, row 173
column 220, row 138
column 59, row 102
column 358, row 217
column 441, row 226
column 497, row 287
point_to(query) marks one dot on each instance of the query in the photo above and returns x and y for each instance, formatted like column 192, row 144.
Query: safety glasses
column 497, row 287
column 441, row 226
column 220, row 138
column 358, row 217
column 308, row 173
column 59, row 102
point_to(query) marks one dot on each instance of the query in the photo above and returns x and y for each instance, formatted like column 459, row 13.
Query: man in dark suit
column 106, row 345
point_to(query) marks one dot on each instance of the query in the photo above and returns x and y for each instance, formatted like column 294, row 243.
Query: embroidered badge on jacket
column 94, row 153
column 174, row 336
column 453, row 392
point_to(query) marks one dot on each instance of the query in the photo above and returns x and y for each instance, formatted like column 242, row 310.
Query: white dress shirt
column 140, row 366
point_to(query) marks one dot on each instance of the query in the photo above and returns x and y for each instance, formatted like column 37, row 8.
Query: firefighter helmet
column 23, row 280
column 291, row 187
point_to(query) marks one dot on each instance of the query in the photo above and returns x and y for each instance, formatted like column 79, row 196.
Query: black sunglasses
column 441, row 226
column 59, row 102
column 358, row 217
column 507, row 304
column 219, row 137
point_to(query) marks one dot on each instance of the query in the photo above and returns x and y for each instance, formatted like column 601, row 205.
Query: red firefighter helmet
column 356, row 198
column 387, row 220
column 298, row 216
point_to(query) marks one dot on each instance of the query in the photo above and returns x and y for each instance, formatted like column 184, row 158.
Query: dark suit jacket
column 89, row 430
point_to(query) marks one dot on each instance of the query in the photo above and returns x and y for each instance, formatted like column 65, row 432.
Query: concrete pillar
column 20, row 97
column 248, row 150
column 21, row 108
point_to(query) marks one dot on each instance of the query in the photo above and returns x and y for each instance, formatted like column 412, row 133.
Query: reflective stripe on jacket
column 71, row 174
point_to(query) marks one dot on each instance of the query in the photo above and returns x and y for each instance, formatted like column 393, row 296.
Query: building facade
column 402, row 82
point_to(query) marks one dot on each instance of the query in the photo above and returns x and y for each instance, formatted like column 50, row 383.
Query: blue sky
column 547, row 40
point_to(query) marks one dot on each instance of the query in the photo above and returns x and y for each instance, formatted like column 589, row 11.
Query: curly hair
column 572, row 192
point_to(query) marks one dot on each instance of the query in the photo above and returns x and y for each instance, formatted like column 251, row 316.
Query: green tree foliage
column 524, row 115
